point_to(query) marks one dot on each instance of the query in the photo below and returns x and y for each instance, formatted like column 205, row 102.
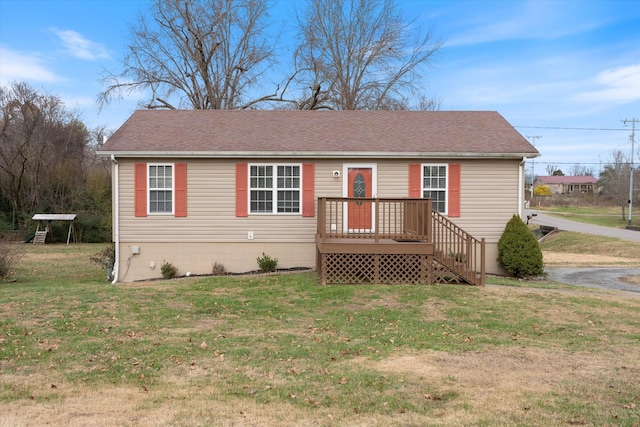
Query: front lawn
column 282, row 350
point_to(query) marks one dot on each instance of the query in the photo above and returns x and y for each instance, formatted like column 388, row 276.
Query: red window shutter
column 415, row 176
column 454, row 190
column 140, row 189
column 308, row 190
column 242, row 189
column 181, row 190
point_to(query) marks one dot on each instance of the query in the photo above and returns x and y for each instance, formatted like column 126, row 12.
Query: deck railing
column 373, row 218
column 411, row 220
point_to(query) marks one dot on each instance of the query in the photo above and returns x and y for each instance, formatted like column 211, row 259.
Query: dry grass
column 576, row 250
column 318, row 356
column 590, row 248
column 512, row 386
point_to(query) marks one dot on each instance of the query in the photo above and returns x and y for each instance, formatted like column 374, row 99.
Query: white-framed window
column 160, row 188
column 434, row 185
column 274, row 189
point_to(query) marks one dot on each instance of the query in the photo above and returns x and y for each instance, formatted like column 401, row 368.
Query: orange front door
column 360, row 182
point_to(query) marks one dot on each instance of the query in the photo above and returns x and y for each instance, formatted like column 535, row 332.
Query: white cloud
column 21, row 66
column 620, row 85
column 79, row 101
column 79, row 47
column 499, row 21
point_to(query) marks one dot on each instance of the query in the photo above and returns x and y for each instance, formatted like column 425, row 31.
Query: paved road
column 601, row 278
column 567, row 225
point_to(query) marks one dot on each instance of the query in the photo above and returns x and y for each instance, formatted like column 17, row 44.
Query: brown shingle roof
column 317, row 133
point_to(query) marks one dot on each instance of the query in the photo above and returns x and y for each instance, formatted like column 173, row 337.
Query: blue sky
column 555, row 69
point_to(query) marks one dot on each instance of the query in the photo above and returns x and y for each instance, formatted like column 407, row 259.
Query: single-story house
column 569, row 185
column 197, row 188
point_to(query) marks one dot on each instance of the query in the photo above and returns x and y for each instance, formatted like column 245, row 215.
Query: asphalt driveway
column 600, row 278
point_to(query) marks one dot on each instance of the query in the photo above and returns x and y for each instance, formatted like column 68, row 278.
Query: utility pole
column 633, row 136
column 533, row 161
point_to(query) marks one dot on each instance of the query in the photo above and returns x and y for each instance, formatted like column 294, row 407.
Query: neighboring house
column 568, row 185
column 195, row 187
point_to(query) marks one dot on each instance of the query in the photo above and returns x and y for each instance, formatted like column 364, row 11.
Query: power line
column 567, row 163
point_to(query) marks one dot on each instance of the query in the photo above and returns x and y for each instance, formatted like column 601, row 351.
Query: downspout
column 521, row 186
column 116, row 218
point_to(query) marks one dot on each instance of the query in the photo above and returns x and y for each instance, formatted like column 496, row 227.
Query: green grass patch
column 287, row 342
column 579, row 243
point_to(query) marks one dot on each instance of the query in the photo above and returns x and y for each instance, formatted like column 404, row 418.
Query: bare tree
column 427, row 103
column 580, row 170
column 614, row 179
column 41, row 152
column 200, row 54
column 550, row 169
column 360, row 54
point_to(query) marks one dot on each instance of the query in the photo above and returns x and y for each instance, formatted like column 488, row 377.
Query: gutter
column 320, row 154
column 116, row 218
column 521, row 186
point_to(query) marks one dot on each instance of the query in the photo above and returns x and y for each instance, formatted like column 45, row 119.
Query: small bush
column 542, row 190
column 518, row 250
column 168, row 270
column 106, row 257
column 458, row 257
column 10, row 254
column 218, row 269
column 267, row 264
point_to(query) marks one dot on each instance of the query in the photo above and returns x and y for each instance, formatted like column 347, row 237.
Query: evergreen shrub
column 168, row 270
column 518, row 250
column 267, row 264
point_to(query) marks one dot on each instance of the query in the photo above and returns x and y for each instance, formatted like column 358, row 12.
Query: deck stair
column 457, row 252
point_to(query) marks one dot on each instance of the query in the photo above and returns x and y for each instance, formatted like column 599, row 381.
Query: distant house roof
column 233, row 133
column 567, row 180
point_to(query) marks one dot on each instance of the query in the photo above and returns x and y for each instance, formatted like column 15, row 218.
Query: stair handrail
column 457, row 250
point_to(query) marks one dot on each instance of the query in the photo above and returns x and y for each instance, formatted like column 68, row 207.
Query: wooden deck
column 396, row 241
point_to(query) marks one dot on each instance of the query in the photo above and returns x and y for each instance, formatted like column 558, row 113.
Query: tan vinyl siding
column 489, row 192
column 212, row 233
column 210, row 212
column 198, row 258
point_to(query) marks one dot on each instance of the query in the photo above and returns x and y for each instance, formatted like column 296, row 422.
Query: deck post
column 376, row 269
column 482, row 255
column 377, row 223
column 323, row 269
column 322, row 217
column 430, row 268
column 429, row 221
column 318, row 262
